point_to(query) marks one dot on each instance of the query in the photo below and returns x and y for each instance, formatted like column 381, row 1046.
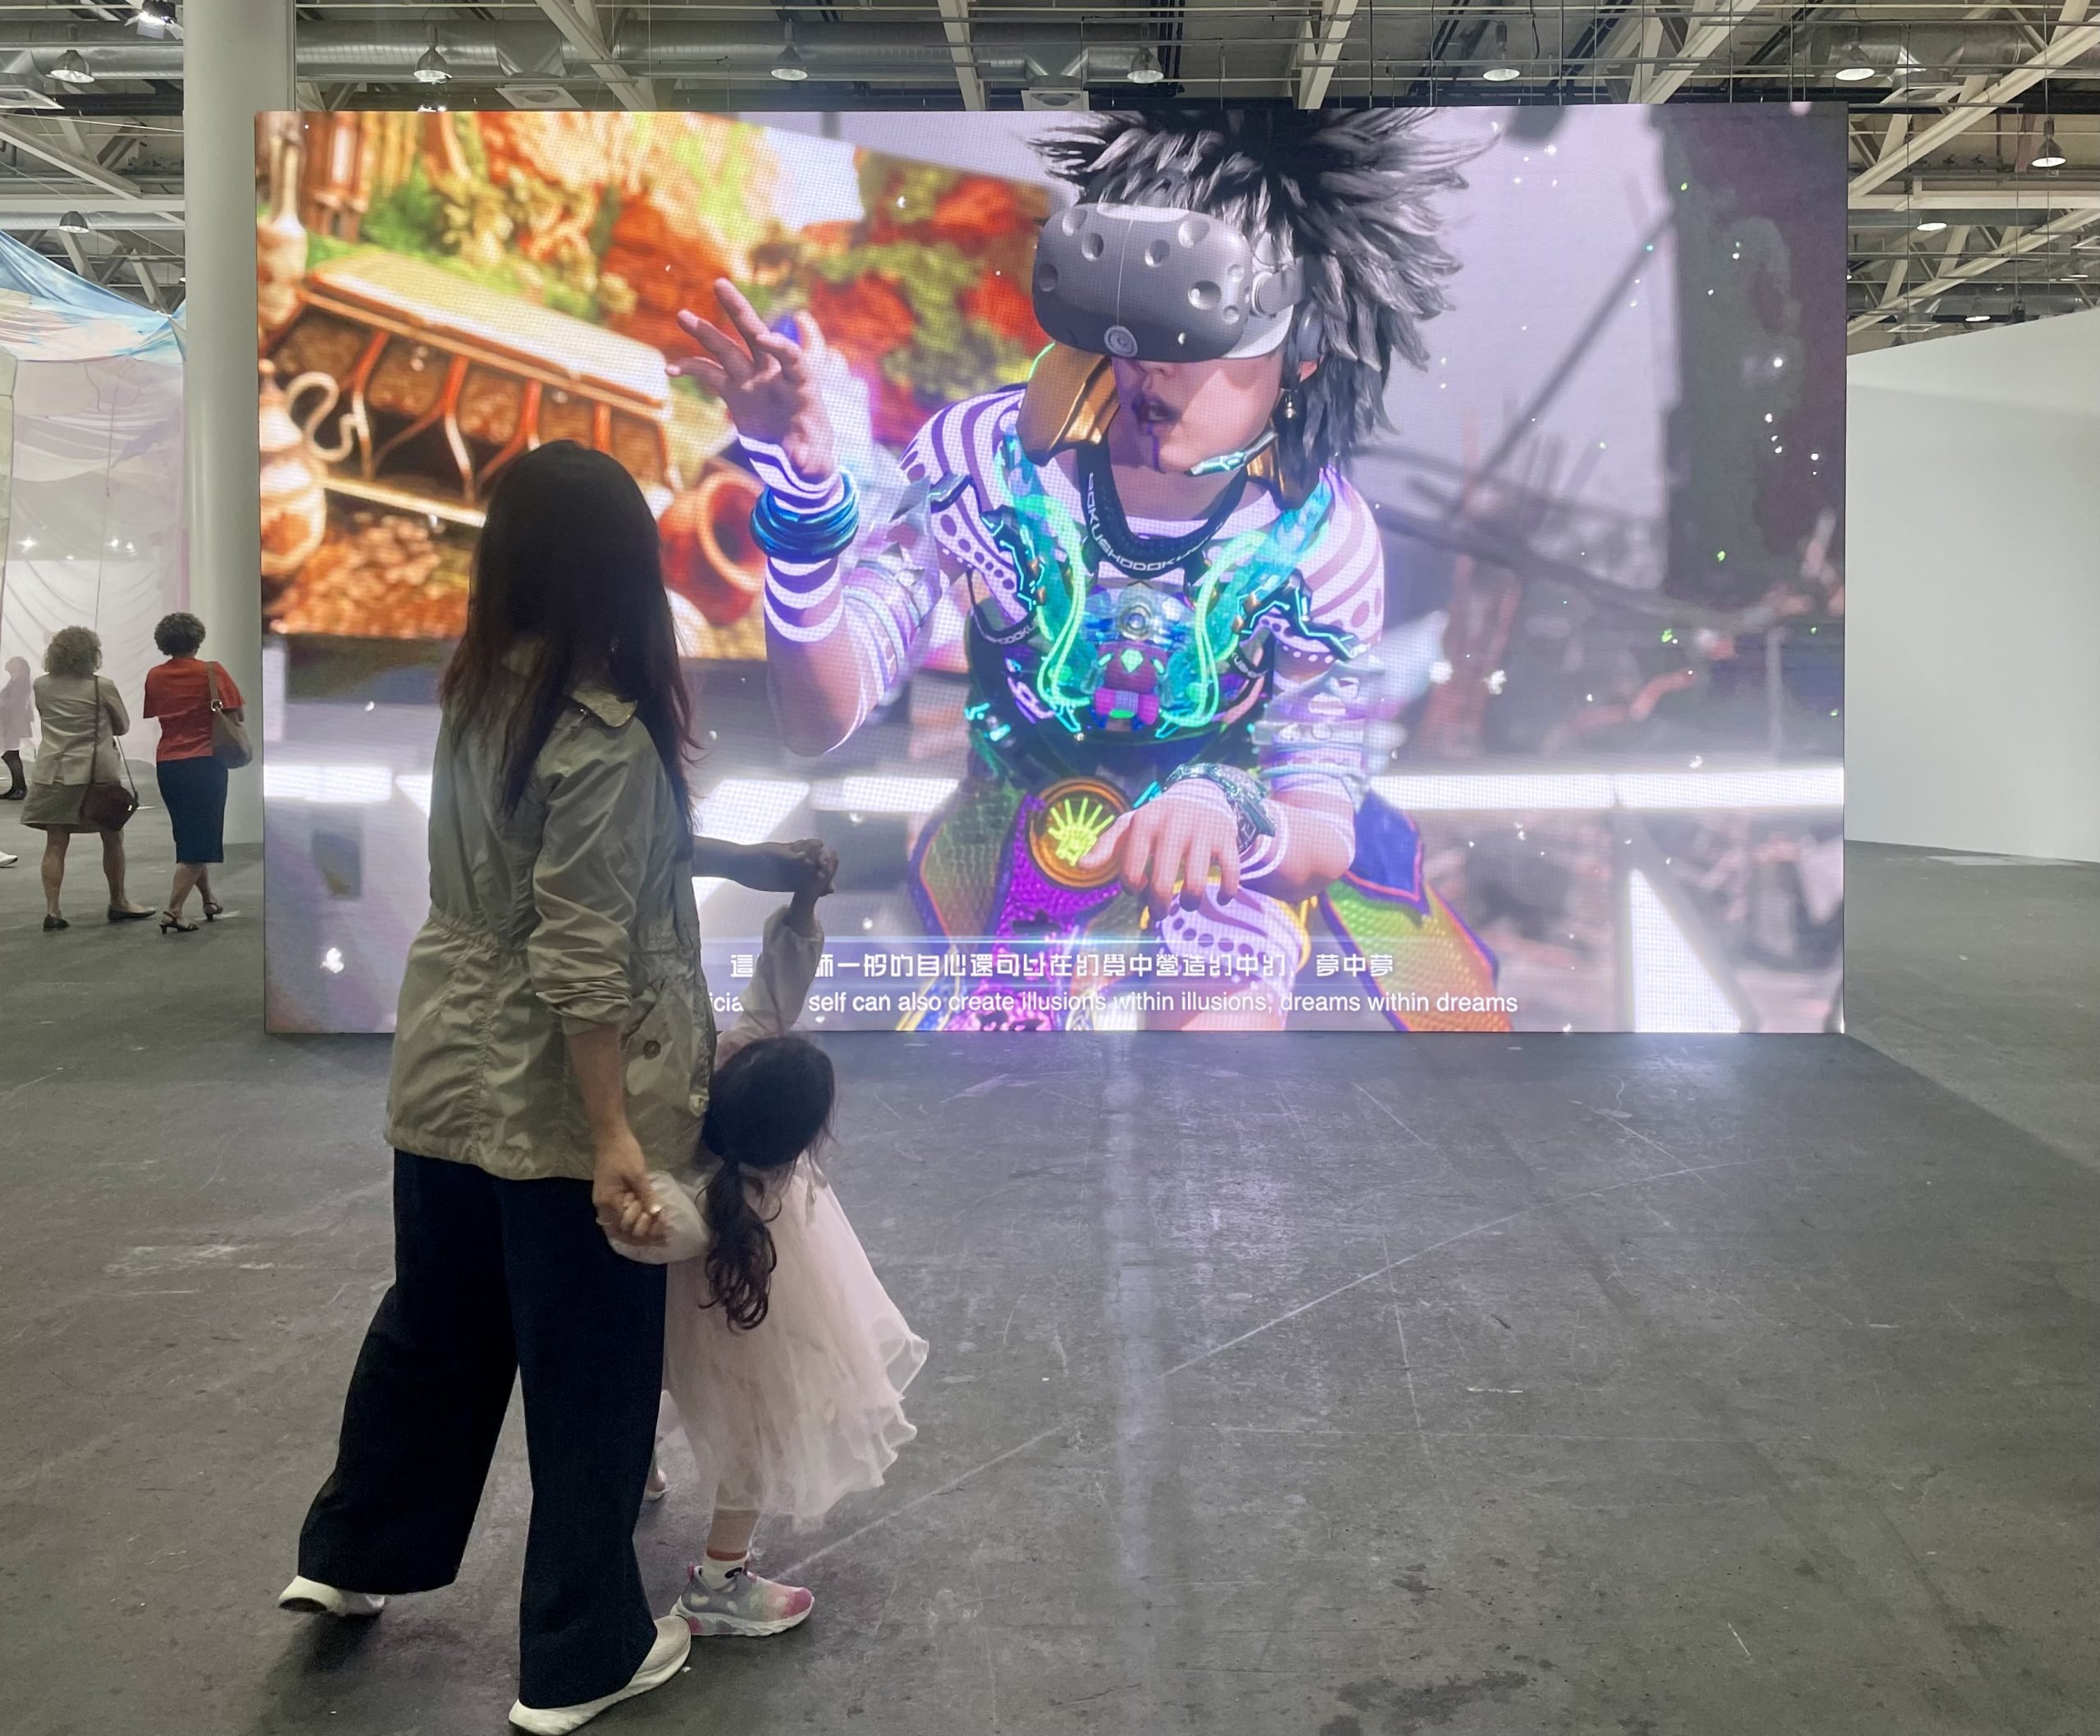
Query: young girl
column 784, row 1356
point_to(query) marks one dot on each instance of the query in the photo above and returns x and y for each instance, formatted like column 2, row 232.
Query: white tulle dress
column 808, row 1405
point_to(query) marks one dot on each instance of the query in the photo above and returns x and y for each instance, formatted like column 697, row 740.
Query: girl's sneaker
column 744, row 1607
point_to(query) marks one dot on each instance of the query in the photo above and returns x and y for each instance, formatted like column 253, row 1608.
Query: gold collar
column 1070, row 400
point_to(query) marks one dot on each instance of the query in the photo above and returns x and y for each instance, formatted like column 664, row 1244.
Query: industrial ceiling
column 1974, row 129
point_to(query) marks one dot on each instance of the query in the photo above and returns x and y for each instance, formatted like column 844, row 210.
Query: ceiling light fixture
column 2051, row 156
column 1931, row 226
column 431, row 69
column 1144, row 67
column 72, row 70
column 72, row 223
column 789, row 65
column 1853, row 66
column 1500, row 72
column 159, row 14
column 1044, row 91
column 1976, row 319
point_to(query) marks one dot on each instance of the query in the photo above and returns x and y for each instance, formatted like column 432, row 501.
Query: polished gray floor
column 1322, row 1387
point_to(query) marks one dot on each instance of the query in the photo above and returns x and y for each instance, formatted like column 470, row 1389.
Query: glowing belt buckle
column 1072, row 817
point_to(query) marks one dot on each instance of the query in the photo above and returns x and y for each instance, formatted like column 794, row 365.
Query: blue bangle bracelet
column 780, row 530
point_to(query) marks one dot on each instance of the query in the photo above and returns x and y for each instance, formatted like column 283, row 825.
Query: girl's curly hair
column 1351, row 194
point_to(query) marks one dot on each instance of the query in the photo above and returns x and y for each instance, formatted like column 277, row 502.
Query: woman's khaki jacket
column 575, row 911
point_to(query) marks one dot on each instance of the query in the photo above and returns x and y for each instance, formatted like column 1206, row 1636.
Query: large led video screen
column 1450, row 505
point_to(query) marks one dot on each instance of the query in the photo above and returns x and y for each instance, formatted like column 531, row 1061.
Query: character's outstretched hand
column 1173, row 846
column 766, row 381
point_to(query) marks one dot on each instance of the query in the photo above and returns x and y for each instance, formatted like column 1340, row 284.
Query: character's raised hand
column 767, row 382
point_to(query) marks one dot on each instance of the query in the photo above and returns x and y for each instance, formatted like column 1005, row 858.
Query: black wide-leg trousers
column 493, row 1277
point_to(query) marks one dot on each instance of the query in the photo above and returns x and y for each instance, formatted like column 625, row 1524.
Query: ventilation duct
column 537, row 54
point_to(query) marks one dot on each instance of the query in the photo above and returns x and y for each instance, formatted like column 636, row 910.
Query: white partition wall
column 1974, row 592
column 90, row 470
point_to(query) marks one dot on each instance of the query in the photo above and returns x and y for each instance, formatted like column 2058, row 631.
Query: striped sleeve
column 881, row 592
column 956, row 456
column 1315, row 732
column 1343, row 578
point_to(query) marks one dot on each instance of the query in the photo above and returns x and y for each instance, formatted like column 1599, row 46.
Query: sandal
column 212, row 911
column 172, row 923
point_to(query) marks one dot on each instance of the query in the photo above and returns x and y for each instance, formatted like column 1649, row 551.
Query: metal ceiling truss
column 2012, row 245
column 1944, row 133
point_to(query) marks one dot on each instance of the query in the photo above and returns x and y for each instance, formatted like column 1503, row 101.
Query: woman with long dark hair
column 554, row 1046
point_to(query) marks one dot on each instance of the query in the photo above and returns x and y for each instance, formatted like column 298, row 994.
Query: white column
column 236, row 61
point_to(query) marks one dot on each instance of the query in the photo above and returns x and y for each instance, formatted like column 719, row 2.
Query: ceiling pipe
column 383, row 52
column 345, row 53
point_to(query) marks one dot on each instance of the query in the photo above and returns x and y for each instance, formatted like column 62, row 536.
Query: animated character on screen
column 1172, row 592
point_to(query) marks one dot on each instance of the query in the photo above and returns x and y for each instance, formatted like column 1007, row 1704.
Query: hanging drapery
column 91, row 495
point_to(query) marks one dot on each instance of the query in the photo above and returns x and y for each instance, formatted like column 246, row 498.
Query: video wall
column 1528, row 707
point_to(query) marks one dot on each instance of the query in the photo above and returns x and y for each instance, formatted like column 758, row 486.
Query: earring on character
column 1289, row 407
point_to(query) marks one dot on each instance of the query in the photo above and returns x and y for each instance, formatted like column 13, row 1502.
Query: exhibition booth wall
column 1975, row 590
column 91, row 430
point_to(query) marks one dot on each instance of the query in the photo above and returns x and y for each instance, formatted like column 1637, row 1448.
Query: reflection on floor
column 1326, row 1385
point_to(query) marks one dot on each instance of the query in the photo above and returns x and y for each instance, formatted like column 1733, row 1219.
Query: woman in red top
column 193, row 782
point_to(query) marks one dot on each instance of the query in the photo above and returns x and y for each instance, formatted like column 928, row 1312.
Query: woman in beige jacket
column 554, row 1047
column 81, row 714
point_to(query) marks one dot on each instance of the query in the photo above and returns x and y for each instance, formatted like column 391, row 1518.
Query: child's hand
column 769, row 867
column 821, row 869
column 682, row 1231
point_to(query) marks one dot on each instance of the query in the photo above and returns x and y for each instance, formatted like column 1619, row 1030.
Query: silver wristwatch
column 1241, row 789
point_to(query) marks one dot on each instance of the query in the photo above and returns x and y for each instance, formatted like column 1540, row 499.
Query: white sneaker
column 8, row 860
column 657, row 1485
column 665, row 1659
column 311, row 1597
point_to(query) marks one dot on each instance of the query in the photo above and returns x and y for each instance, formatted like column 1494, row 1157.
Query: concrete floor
column 1321, row 1387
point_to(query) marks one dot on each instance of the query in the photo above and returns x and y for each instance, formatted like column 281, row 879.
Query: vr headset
column 1149, row 283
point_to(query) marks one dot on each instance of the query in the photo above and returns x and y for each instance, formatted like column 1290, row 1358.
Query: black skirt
column 194, row 791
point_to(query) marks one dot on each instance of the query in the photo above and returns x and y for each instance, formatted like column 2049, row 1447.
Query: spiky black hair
column 1352, row 194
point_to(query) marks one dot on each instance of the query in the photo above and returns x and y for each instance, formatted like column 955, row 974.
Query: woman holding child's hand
column 553, row 1048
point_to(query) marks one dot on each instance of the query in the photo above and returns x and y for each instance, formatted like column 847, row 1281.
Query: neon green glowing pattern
column 1244, row 577
column 1076, row 825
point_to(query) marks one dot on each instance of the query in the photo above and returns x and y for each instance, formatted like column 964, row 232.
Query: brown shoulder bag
column 230, row 744
column 107, row 806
